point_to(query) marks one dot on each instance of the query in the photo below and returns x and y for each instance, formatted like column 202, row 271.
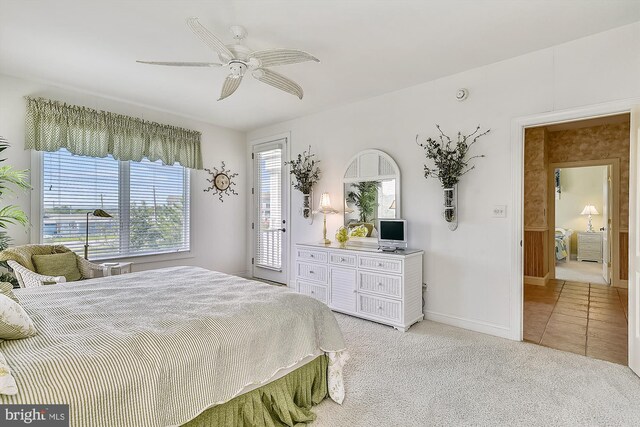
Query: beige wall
column 535, row 178
column 580, row 186
column 594, row 143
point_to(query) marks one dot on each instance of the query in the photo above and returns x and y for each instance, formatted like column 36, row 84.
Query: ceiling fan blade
column 182, row 64
column 278, row 81
column 231, row 83
column 273, row 57
column 208, row 38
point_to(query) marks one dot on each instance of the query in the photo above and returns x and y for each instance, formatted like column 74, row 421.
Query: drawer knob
column 312, row 256
column 311, row 272
column 379, row 307
column 379, row 284
column 313, row 292
column 379, row 264
column 342, row 260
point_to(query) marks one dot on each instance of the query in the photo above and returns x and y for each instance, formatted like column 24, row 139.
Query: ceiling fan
column 239, row 59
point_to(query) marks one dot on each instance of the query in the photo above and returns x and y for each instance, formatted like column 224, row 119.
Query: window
column 148, row 201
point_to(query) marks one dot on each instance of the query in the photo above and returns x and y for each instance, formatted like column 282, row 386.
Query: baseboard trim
column 622, row 284
column 472, row 325
column 538, row 281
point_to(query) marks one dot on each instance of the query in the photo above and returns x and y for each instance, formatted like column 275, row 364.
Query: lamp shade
column 102, row 214
column 325, row 202
column 589, row 210
column 393, row 204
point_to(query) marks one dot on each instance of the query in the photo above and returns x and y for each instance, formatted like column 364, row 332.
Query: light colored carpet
column 436, row 375
column 578, row 271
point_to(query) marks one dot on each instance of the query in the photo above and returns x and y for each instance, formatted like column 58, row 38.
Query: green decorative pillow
column 15, row 323
column 6, row 288
column 64, row 264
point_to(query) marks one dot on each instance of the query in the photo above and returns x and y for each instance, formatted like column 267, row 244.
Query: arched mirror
column 371, row 190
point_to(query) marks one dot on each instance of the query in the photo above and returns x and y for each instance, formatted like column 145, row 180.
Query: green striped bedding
column 156, row 348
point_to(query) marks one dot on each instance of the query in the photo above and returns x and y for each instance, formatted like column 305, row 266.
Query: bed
column 169, row 346
column 563, row 244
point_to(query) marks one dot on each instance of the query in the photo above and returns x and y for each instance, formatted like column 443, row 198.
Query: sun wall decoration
column 221, row 182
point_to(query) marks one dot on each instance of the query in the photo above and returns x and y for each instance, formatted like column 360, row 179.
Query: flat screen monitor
column 392, row 234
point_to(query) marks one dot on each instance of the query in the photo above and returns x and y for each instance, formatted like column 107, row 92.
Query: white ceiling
column 366, row 48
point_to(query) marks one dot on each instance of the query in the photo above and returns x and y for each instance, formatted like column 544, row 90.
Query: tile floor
column 583, row 318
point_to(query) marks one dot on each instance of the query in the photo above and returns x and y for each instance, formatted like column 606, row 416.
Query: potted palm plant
column 10, row 180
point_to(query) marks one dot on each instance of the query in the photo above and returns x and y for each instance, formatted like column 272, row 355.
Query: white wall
column 218, row 229
column 468, row 270
column 580, row 186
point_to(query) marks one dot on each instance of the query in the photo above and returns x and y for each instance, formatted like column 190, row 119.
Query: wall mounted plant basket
column 451, row 206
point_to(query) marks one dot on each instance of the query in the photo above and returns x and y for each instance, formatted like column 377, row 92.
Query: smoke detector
column 462, row 94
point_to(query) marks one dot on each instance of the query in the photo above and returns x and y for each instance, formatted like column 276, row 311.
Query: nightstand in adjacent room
column 589, row 246
column 115, row 268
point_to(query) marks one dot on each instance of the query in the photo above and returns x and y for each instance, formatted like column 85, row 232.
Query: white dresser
column 589, row 246
column 363, row 282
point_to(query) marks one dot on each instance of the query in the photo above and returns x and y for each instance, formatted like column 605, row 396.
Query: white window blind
column 269, row 199
column 149, row 203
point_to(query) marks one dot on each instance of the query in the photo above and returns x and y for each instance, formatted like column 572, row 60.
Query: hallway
column 582, row 318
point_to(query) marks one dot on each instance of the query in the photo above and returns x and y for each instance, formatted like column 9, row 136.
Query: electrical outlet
column 500, row 211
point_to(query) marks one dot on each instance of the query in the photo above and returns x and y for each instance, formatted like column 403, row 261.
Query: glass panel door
column 269, row 225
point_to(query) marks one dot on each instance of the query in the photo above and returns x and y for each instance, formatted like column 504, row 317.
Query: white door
column 634, row 248
column 270, row 213
column 607, row 192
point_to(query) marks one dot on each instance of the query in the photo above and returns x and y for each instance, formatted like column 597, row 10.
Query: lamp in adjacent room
column 393, row 204
column 97, row 213
column 590, row 210
column 325, row 208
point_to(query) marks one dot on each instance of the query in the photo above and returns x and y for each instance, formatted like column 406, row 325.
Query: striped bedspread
column 156, row 348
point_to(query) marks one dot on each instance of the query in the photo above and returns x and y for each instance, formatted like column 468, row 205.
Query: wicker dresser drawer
column 342, row 259
column 382, row 264
column 310, row 271
column 380, row 283
column 380, row 307
column 318, row 292
column 311, row 255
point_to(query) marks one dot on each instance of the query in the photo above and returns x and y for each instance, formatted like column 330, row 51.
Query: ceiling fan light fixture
column 239, row 58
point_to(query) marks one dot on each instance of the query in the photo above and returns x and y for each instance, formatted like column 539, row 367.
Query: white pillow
column 7, row 382
column 15, row 323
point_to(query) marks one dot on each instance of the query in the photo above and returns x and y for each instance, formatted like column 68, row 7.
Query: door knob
column 283, row 230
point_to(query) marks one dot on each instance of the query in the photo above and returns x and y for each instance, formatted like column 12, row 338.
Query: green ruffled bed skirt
column 284, row 402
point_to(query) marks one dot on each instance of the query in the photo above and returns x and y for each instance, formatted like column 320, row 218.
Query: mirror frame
column 379, row 177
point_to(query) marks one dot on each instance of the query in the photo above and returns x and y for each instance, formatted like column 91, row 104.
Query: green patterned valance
column 52, row 125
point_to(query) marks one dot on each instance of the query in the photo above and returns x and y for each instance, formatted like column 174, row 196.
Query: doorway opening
column 583, row 221
column 576, row 213
column 270, row 211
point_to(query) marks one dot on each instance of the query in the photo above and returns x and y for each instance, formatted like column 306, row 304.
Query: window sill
column 148, row 259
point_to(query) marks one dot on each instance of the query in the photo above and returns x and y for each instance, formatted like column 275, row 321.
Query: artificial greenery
column 450, row 158
column 342, row 235
column 365, row 198
column 305, row 170
column 10, row 179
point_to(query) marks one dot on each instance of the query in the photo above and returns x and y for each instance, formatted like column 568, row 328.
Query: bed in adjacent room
column 174, row 346
column 563, row 244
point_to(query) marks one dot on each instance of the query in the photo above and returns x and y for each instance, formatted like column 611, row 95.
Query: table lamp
column 589, row 210
column 325, row 208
